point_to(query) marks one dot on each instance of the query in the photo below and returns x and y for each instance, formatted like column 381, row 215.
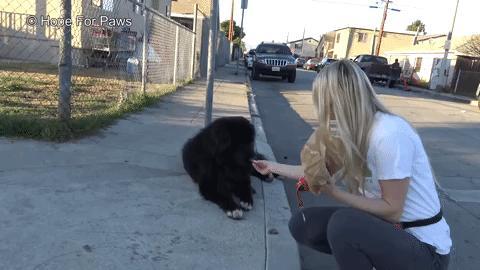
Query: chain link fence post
column 65, row 64
column 175, row 63
column 194, row 39
column 144, row 48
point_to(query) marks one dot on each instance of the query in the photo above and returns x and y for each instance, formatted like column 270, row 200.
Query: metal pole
column 231, row 28
column 65, row 65
column 194, row 40
column 458, row 79
column 373, row 40
column 241, row 34
column 385, row 12
column 447, row 48
column 175, row 63
column 211, row 60
column 303, row 39
column 144, row 48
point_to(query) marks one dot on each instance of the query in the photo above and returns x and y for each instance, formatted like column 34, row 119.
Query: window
column 273, row 49
column 156, row 5
column 104, row 4
column 107, row 5
column 362, row 37
column 418, row 64
column 338, row 38
column 138, row 8
column 298, row 46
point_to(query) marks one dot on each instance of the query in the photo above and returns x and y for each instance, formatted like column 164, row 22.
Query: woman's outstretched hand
column 263, row 167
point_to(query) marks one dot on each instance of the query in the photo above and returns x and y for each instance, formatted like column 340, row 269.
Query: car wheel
column 292, row 76
column 284, row 77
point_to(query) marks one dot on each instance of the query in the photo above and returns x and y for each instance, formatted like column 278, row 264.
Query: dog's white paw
column 235, row 214
column 246, row 205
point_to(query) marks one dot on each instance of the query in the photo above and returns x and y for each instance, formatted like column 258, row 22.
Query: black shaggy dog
column 219, row 158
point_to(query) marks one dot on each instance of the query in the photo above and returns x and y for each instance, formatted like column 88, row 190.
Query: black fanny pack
column 421, row 222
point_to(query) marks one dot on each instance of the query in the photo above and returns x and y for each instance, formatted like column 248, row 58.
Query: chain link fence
column 108, row 54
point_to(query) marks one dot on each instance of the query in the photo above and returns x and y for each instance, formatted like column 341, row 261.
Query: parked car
column 325, row 62
column 249, row 59
column 378, row 69
column 300, row 61
column 274, row 59
column 311, row 64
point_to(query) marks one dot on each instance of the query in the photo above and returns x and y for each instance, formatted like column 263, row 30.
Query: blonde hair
column 342, row 89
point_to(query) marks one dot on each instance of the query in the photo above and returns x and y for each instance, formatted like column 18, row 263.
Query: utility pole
column 303, row 39
column 231, row 28
column 447, row 48
column 244, row 6
column 385, row 12
column 212, row 45
column 65, row 65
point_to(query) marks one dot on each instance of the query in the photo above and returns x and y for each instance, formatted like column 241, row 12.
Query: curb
column 281, row 250
column 455, row 98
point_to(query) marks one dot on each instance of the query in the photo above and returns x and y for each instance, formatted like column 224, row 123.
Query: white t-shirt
column 396, row 152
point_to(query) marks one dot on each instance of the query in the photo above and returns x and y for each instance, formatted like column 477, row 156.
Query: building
column 421, row 61
column 349, row 42
column 309, row 47
column 183, row 11
column 186, row 6
column 39, row 43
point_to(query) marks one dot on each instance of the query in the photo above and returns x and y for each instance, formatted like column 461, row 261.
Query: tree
column 225, row 25
column 471, row 46
column 414, row 26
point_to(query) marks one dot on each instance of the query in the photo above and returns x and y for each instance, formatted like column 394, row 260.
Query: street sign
column 244, row 4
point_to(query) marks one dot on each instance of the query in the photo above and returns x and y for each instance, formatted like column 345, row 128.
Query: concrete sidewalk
column 121, row 200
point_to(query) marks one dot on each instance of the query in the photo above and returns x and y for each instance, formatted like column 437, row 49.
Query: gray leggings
column 362, row 241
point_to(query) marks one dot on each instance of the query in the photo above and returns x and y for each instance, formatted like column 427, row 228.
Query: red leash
column 301, row 185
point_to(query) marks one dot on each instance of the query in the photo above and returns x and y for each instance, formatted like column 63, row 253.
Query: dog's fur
column 219, row 158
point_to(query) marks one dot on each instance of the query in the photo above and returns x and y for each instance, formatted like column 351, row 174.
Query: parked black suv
column 274, row 59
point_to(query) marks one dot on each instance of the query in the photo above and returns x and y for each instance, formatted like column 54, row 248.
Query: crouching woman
column 393, row 220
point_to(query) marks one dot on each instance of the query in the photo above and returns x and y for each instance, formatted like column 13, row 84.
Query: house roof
column 298, row 40
column 411, row 33
column 427, row 37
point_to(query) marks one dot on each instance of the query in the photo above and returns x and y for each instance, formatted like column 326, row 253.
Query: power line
column 403, row 6
column 340, row 3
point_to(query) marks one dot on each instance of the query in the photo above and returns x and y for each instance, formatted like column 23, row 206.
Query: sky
column 275, row 20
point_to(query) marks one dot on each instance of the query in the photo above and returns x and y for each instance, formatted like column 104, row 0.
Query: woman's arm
column 267, row 167
column 389, row 207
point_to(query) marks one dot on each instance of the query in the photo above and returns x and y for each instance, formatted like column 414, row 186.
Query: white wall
column 425, row 72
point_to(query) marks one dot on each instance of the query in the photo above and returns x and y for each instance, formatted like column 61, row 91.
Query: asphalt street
column 450, row 132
